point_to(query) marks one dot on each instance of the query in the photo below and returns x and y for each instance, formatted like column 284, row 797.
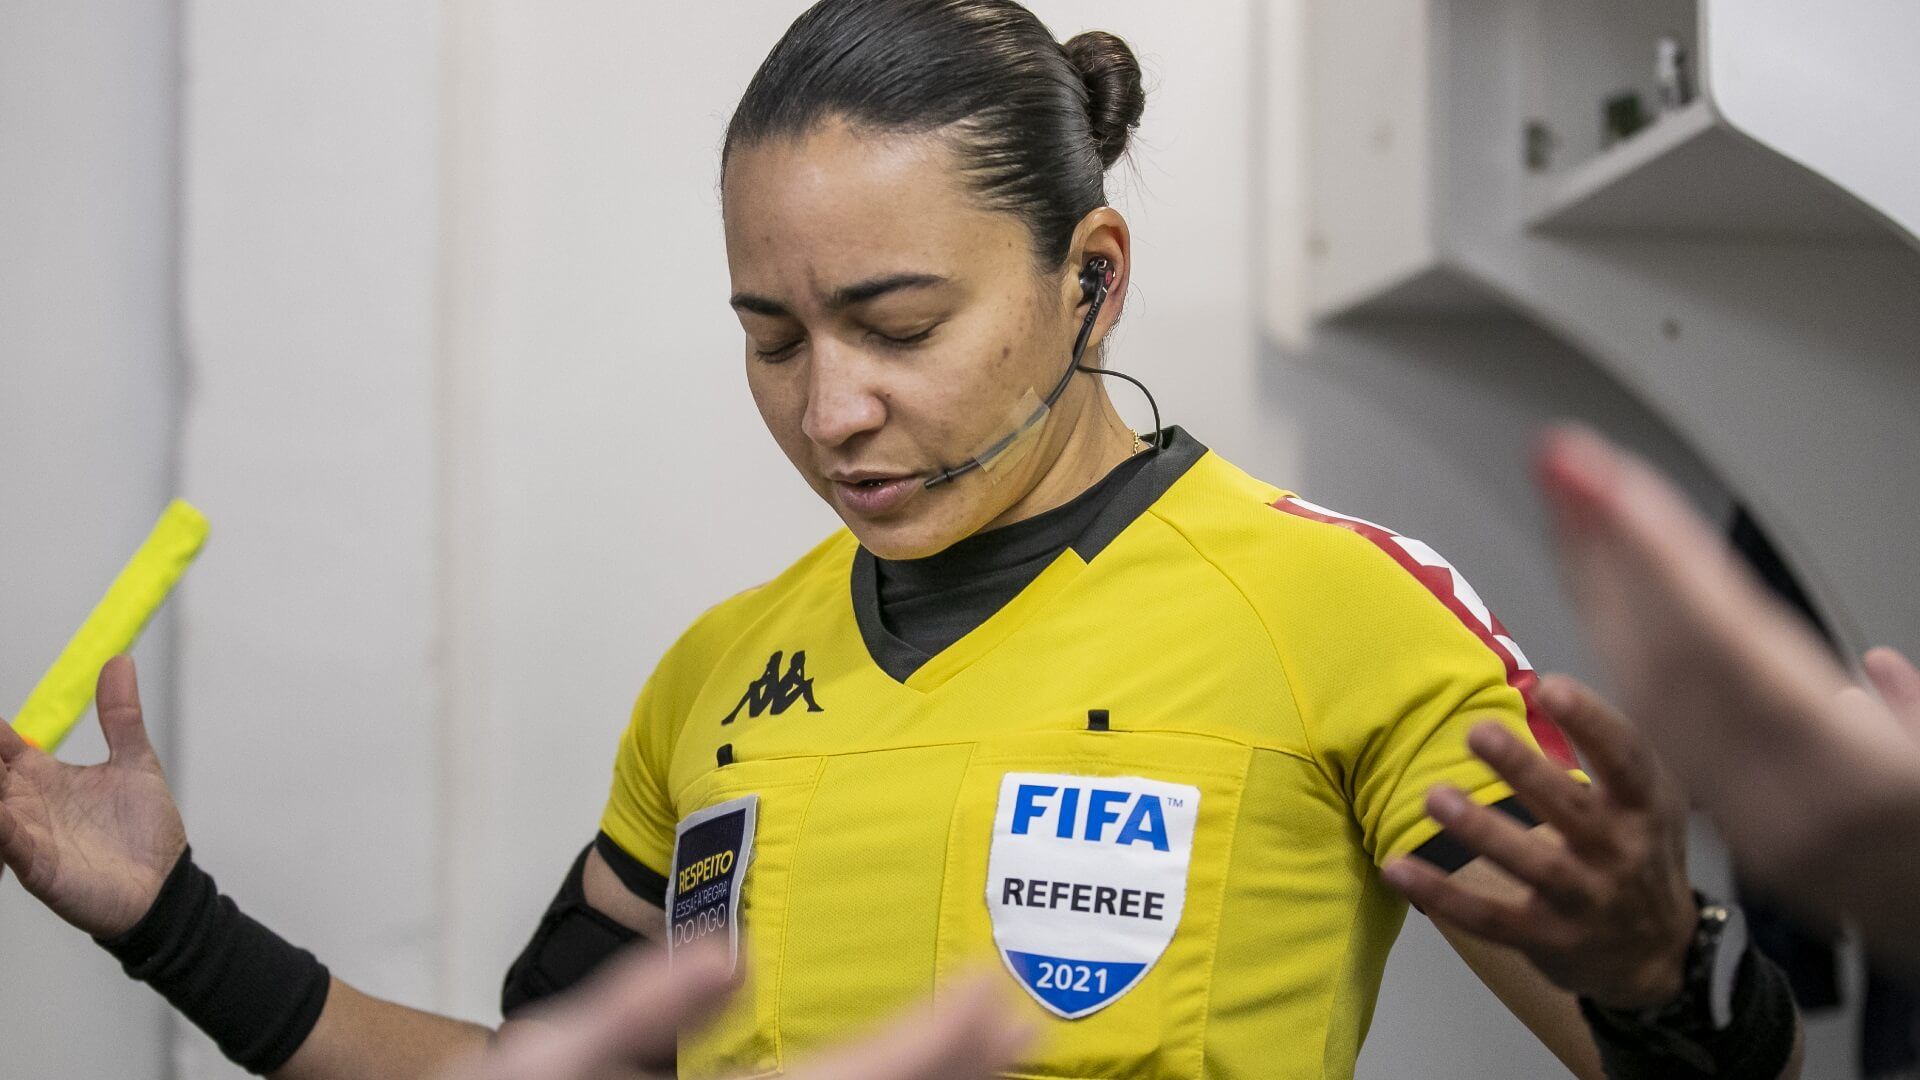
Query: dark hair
column 1034, row 123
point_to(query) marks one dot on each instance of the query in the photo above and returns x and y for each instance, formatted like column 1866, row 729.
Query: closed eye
column 907, row 342
column 778, row 353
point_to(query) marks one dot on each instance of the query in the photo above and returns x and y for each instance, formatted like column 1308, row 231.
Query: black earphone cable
column 1159, row 436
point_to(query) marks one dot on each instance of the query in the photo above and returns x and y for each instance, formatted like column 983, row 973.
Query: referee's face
column 895, row 327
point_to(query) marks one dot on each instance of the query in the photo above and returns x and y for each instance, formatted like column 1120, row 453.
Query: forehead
column 839, row 204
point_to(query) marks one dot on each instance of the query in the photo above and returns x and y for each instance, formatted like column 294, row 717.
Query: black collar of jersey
column 1087, row 525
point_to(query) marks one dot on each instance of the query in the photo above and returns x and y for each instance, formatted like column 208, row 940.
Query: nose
column 842, row 400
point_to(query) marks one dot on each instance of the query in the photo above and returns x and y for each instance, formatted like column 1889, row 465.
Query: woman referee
column 1149, row 735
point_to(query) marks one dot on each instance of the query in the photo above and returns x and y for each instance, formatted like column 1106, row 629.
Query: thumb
column 11, row 744
column 117, row 699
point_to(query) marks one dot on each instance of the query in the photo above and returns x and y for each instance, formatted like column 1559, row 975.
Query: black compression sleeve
column 573, row 939
column 1755, row 1046
column 256, row 995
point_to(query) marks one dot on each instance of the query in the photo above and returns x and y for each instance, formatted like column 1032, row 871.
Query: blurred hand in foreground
column 631, row 1012
column 1813, row 781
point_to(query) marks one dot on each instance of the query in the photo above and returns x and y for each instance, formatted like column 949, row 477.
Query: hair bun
column 1115, row 96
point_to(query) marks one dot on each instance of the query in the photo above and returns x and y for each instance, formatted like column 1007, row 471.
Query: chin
column 906, row 539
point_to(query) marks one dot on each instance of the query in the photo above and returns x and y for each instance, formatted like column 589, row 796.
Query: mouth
column 873, row 494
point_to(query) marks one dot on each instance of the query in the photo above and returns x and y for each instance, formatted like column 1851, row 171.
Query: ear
column 1101, row 234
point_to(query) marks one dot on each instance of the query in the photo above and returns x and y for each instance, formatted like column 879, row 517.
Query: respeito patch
column 710, row 854
column 1086, row 881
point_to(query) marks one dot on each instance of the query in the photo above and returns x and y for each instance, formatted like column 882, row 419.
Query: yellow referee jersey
column 1153, row 789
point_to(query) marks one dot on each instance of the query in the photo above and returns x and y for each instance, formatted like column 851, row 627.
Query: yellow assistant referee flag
column 63, row 694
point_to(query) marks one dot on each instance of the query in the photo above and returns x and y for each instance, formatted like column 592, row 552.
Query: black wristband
column 1755, row 1045
column 256, row 995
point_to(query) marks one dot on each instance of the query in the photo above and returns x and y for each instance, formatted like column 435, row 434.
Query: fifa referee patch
column 1086, row 880
column 710, row 854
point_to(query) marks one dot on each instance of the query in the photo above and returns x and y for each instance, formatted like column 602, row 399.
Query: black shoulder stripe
column 642, row 880
column 1449, row 854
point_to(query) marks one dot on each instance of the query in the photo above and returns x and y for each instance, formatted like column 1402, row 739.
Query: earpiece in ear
column 1098, row 274
column 1095, row 280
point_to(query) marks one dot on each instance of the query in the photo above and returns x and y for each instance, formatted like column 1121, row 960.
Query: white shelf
column 1414, row 112
column 1689, row 175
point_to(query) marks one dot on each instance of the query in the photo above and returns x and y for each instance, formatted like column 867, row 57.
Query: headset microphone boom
column 1096, row 280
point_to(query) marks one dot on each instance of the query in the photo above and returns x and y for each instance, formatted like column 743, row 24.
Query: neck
column 1095, row 441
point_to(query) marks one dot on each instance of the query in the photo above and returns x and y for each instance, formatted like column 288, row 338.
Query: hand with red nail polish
column 1813, row 780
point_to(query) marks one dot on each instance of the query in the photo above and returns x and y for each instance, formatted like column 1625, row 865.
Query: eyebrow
column 844, row 297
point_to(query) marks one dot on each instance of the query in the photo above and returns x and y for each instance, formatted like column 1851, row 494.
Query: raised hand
column 1602, row 906
column 1814, row 783
column 94, row 843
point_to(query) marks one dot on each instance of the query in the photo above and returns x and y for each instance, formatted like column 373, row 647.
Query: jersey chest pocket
column 745, row 1040
column 1091, row 867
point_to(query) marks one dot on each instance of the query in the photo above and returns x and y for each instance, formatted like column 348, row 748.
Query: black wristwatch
column 1705, row 1004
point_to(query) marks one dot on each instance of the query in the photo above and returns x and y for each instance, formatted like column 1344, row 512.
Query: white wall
column 309, row 686
column 1823, row 89
column 87, row 385
column 617, row 480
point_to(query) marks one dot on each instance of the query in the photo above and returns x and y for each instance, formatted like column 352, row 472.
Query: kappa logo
column 776, row 692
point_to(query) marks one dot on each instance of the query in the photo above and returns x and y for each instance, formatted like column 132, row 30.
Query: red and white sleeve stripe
column 1450, row 588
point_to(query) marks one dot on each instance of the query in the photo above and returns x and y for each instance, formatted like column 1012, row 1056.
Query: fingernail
column 1489, row 739
column 1573, row 468
column 1397, row 873
column 1550, row 693
column 1578, row 449
column 1445, row 803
